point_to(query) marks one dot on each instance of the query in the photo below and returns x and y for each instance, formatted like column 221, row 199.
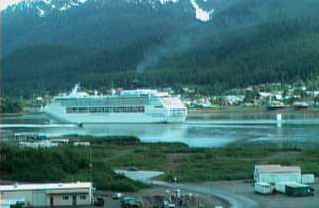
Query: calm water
column 199, row 131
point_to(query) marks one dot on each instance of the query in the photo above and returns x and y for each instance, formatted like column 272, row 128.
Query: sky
column 5, row 3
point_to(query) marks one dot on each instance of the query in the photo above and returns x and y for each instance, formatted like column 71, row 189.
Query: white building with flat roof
column 273, row 174
column 48, row 195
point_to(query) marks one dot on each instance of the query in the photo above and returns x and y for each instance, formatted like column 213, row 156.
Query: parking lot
column 154, row 197
column 274, row 201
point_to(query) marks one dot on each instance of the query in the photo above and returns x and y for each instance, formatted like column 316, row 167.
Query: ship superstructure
column 130, row 106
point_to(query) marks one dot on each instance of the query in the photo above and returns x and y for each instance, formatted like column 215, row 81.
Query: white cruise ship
column 130, row 106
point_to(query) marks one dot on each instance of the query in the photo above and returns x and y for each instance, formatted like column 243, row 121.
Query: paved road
column 235, row 201
column 142, row 176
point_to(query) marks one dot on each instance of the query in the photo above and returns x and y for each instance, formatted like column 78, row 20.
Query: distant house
column 265, row 95
column 312, row 93
column 47, row 195
column 6, row 135
column 85, row 144
column 273, row 174
column 188, row 90
column 279, row 96
column 29, row 136
column 234, row 99
column 39, row 99
column 60, row 141
column 39, row 144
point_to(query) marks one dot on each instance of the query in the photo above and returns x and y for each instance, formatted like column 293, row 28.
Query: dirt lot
column 272, row 201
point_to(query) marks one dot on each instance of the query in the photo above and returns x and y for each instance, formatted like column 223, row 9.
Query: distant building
column 47, row 195
column 60, row 141
column 29, row 136
column 6, row 135
column 188, row 90
column 39, row 99
column 39, row 144
column 265, row 95
column 234, row 99
column 85, row 144
column 279, row 96
column 273, row 174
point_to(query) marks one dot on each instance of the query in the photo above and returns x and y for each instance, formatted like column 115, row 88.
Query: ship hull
column 59, row 114
column 107, row 118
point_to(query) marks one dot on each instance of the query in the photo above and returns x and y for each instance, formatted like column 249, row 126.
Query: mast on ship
column 75, row 89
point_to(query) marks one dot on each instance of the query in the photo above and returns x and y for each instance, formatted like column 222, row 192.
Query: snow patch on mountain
column 200, row 13
column 41, row 12
column 42, row 7
column 67, row 5
column 45, row 7
column 168, row 1
column 47, row 1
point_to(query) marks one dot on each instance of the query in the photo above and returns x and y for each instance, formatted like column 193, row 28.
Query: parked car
column 99, row 202
column 18, row 204
column 167, row 204
column 299, row 190
column 264, row 188
column 116, row 196
column 131, row 202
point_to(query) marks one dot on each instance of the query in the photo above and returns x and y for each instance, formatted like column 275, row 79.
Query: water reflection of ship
column 146, row 132
column 195, row 133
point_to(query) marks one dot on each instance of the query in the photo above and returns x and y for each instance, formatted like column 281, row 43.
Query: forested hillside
column 247, row 42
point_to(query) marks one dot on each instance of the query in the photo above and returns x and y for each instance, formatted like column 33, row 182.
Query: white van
column 263, row 188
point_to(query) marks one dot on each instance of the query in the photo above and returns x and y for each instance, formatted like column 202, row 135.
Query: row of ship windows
column 82, row 103
column 104, row 101
column 177, row 112
column 132, row 109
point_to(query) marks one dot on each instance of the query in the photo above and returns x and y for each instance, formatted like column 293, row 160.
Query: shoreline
column 251, row 112
column 217, row 129
column 12, row 114
column 211, row 111
column 244, row 109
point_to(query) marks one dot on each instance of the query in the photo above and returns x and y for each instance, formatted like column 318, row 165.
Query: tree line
column 283, row 51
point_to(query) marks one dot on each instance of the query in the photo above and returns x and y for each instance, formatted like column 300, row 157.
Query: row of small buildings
column 38, row 140
column 283, row 179
column 47, row 195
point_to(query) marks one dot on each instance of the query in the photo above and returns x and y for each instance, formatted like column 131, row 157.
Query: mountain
column 217, row 44
column 93, row 22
